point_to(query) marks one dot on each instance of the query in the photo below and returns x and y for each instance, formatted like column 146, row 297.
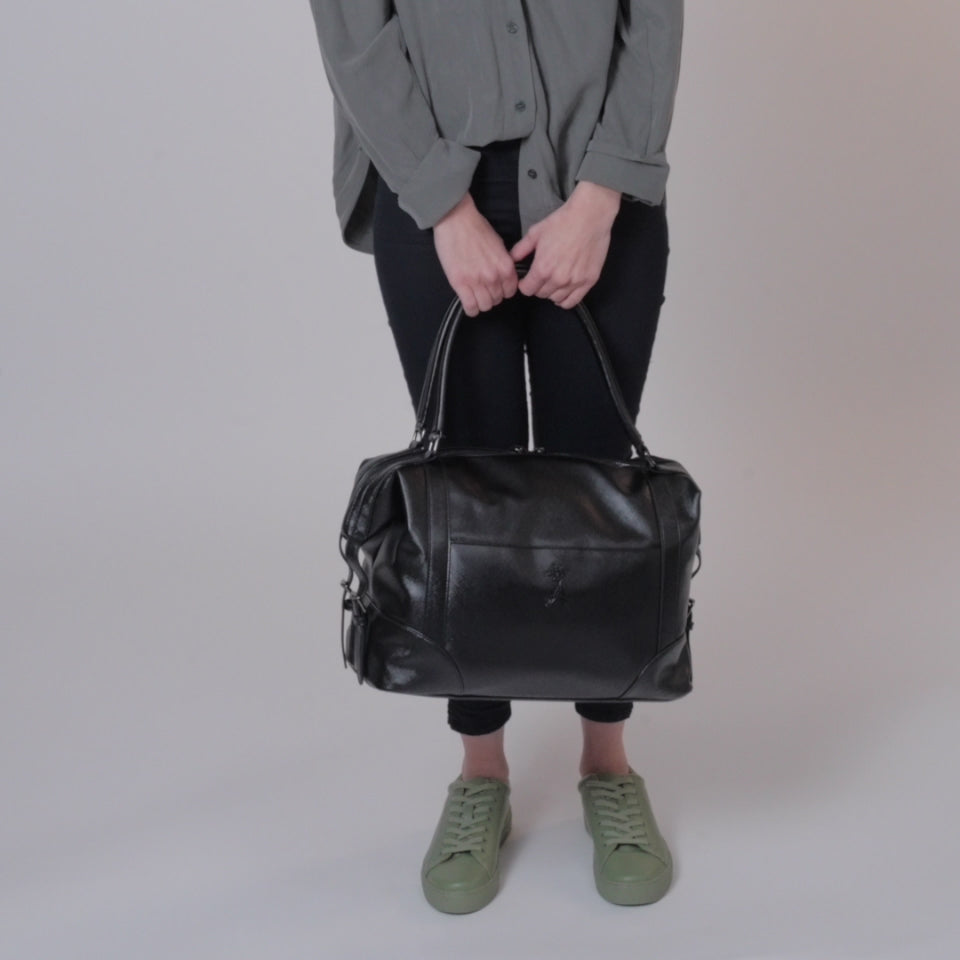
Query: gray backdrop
column 192, row 367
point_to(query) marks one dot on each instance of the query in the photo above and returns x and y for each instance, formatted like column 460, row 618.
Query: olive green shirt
column 418, row 85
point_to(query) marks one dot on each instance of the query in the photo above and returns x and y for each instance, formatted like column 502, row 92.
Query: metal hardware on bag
column 346, row 584
column 344, row 606
column 690, row 602
column 358, row 619
column 347, row 603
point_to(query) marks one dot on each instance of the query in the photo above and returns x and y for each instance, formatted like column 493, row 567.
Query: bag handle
column 439, row 361
column 427, row 390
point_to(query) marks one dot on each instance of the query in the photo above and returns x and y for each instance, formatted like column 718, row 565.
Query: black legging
column 486, row 401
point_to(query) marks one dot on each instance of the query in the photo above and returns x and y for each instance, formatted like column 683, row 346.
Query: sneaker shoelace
column 468, row 817
column 619, row 813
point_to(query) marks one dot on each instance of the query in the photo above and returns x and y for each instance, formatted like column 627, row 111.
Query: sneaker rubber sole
column 466, row 901
column 631, row 893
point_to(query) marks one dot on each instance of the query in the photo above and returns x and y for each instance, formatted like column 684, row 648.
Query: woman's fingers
column 475, row 259
column 482, row 284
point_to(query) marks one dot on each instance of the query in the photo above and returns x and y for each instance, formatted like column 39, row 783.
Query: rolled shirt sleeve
column 365, row 61
column 627, row 150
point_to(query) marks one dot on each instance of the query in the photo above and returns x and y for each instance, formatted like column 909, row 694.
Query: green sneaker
column 461, row 869
column 631, row 862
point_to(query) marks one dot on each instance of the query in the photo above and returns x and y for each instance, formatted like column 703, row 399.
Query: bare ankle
column 604, row 766
column 483, row 756
column 485, row 770
column 603, row 748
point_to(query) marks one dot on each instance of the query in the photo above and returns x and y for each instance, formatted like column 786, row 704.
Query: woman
column 469, row 137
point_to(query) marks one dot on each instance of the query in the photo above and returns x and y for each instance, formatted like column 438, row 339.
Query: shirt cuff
column 635, row 179
column 439, row 183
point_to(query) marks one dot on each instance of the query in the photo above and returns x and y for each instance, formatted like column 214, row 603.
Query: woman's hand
column 474, row 258
column 571, row 245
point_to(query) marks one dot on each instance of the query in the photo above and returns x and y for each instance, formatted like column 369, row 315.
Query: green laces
column 468, row 818
column 619, row 812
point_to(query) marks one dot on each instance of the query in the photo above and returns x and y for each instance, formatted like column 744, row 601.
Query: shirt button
column 520, row 105
column 511, row 26
column 532, row 174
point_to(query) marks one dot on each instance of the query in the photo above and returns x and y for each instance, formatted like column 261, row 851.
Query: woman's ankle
column 483, row 756
column 500, row 772
column 603, row 748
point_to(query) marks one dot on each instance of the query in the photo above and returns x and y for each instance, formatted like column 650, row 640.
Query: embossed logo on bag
column 556, row 573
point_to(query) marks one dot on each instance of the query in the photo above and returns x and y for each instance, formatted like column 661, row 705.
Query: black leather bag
column 518, row 573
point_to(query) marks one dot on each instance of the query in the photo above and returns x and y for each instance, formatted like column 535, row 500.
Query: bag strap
column 439, row 361
column 427, row 391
